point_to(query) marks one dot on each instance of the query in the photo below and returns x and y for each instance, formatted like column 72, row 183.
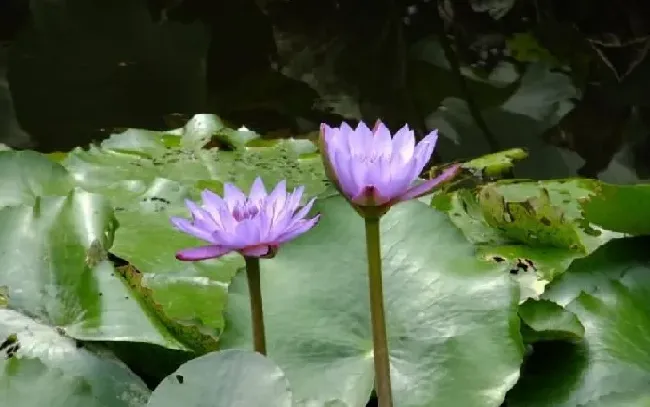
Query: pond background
column 566, row 81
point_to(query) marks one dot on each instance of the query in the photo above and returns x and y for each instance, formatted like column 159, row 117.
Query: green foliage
column 472, row 278
column 319, row 330
column 621, row 208
column 227, row 378
column 547, row 320
column 608, row 293
column 41, row 367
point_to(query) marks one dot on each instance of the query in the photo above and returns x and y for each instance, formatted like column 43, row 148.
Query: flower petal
column 185, row 226
column 343, row 175
column 379, row 176
column 202, row 253
column 258, row 192
column 246, row 233
column 300, row 214
column 382, row 143
column 233, row 196
column 201, row 218
column 370, row 196
column 346, row 140
column 365, row 136
column 256, row 251
column 404, row 144
column 297, row 229
column 278, row 196
column 357, row 171
column 425, row 148
column 327, row 151
column 211, row 203
column 428, row 186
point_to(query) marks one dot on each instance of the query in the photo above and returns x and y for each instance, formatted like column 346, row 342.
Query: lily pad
column 147, row 175
column 496, row 164
column 224, row 379
column 521, row 222
column 532, row 267
column 546, row 320
column 608, row 292
column 41, row 367
column 188, row 296
column 28, row 174
column 132, row 160
column 622, row 208
column 542, row 213
column 55, row 267
column 453, row 332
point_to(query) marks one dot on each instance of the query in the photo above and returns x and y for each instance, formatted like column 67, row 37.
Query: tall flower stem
column 381, row 356
column 257, row 312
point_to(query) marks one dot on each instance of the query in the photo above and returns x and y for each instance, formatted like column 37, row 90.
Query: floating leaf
column 127, row 164
column 223, row 379
column 622, row 208
column 540, row 222
column 453, row 334
column 496, row 164
column 543, row 213
column 28, row 174
column 147, row 177
column 547, row 320
column 41, row 367
column 54, row 268
column 608, row 292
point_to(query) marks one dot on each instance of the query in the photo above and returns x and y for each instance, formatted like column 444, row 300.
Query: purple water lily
column 372, row 169
column 254, row 226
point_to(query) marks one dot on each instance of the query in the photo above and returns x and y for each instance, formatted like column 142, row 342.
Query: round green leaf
column 610, row 299
column 28, row 174
column 454, row 334
column 41, row 367
column 55, row 267
column 224, row 379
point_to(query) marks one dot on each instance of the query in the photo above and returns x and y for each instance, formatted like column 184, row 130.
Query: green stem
column 257, row 313
column 381, row 356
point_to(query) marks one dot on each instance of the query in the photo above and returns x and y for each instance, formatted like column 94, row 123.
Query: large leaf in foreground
column 224, row 379
column 148, row 174
column 608, row 292
column 454, row 334
column 40, row 367
column 54, row 267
